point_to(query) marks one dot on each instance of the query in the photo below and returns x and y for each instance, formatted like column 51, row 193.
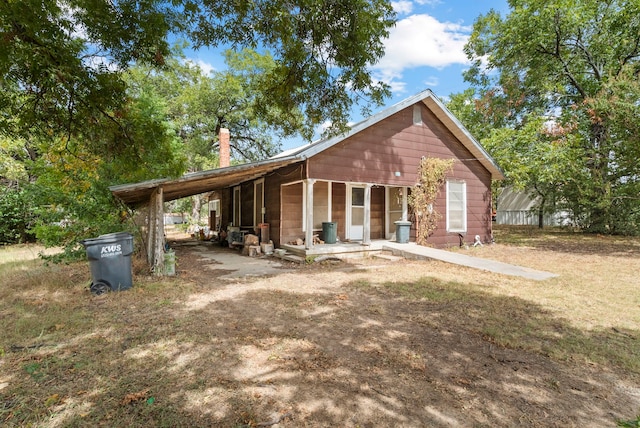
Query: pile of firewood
column 299, row 241
column 251, row 245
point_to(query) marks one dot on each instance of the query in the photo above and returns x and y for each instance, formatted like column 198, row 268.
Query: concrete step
column 387, row 256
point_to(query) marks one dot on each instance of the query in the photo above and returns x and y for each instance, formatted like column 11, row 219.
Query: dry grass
column 375, row 344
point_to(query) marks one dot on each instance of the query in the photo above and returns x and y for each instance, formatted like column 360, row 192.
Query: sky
column 423, row 51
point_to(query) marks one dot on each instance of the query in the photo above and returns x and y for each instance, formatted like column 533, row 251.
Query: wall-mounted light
column 398, row 174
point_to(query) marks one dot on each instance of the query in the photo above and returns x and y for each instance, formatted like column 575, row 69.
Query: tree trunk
column 541, row 214
column 599, row 170
column 196, row 204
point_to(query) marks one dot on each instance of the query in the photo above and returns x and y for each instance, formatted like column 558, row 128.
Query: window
column 456, row 206
column 214, row 205
column 417, row 115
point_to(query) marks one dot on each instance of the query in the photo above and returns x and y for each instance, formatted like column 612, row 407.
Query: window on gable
column 417, row 115
column 456, row 206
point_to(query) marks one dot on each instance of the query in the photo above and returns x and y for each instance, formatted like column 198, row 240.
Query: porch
column 341, row 250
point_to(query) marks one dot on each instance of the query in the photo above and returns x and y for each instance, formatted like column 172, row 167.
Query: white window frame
column 214, row 205
column 450, row 184
column 237, row 204
column 256, row 203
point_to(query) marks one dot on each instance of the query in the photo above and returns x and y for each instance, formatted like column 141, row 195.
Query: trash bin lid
column 402, row 223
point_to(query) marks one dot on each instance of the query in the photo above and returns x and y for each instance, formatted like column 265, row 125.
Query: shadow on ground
column 351, row 352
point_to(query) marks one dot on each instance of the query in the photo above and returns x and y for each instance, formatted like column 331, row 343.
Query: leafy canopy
column 61, row 61
column 73, row 120
column 570, row 67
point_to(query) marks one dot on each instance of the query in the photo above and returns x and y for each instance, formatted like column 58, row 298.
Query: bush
column 16, row 217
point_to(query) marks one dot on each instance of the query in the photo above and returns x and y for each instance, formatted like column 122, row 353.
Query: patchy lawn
column 361, row 344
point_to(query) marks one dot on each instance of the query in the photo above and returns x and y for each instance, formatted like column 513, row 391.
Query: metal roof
column 198, row 182
column 204, row 181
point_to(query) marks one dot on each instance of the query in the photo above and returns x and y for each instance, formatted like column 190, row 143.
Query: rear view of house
column 358, row 181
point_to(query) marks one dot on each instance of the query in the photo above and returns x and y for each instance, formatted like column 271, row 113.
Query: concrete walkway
column 414, row 251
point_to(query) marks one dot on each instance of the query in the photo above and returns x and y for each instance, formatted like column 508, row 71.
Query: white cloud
column 432, row 81
column 205, row 67
column 402, row 7
column 325, row 125
column 397, row 87
column 421, row 40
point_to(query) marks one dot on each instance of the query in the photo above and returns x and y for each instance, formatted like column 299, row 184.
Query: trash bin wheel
column 100, row 287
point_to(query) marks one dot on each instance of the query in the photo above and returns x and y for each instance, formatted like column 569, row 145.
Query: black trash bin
column 110, row 261
column 329, row 232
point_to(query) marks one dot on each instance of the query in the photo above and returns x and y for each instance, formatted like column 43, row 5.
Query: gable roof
column 439, row 110
column 204, row 181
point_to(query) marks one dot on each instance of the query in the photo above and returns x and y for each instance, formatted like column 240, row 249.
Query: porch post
column 405, row 204
column 155, row 230
column 366, row 232
column 308, row 237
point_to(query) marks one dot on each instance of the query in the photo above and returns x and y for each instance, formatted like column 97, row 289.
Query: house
column 358, row 181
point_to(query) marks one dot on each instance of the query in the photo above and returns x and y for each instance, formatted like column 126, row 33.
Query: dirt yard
column 367, row 343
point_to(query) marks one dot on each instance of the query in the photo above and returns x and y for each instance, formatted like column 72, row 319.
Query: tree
column 61, row 62
column 537, row 158
column 574, row 63
column 199, row 105
column 71, row 194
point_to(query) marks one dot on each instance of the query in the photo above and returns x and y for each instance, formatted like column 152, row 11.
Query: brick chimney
column 225, row 149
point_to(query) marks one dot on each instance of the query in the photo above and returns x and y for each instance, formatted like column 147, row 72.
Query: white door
column 356, row 211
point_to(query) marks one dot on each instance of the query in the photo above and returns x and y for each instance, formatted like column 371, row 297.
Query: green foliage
column 76, row 118
column 62, row 62
column 573, row 66
column 632, row 423
column 431, row 177
column 16, row 217
column 198, row 105
column 72, row 197
column 13, row 153
column 324, row 49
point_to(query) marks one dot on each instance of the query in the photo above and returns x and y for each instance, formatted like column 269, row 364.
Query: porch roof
column 198, row 182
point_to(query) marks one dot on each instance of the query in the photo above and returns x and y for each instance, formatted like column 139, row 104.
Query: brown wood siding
column 246, row 210
column 272, row 207
column 397, row 144
column 338, row 207
column 272, row 198
column 291, row 218
column 377, row 213
column 226, row 206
